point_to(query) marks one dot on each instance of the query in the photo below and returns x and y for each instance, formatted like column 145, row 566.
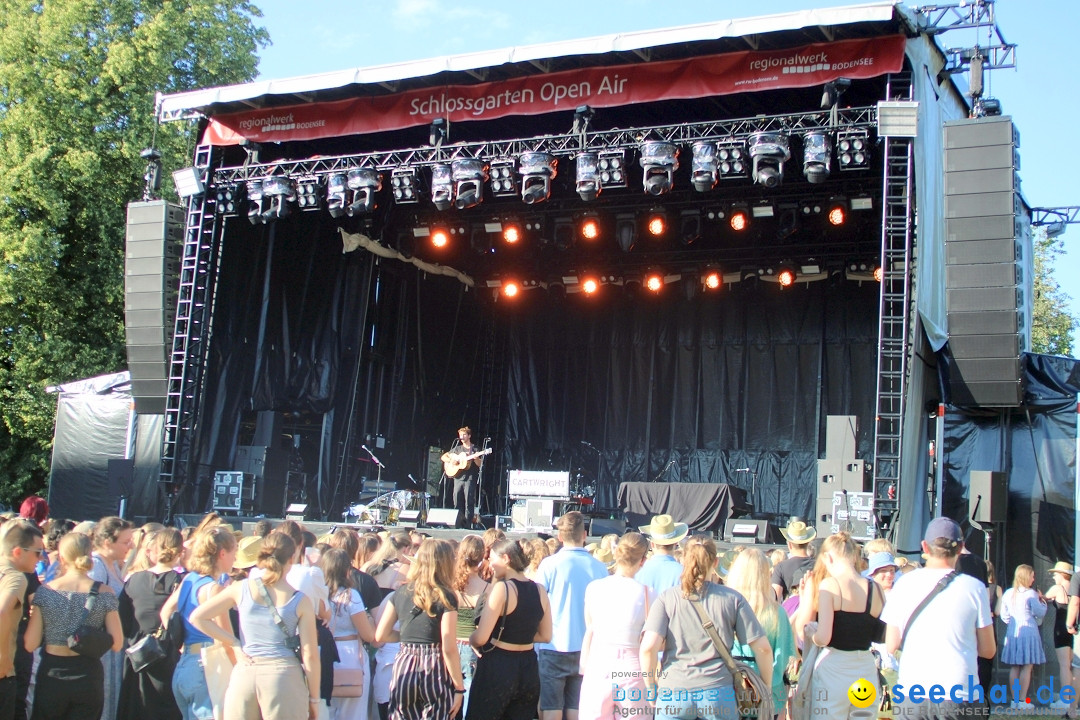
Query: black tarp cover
column 1036, row 446
column 96, row 422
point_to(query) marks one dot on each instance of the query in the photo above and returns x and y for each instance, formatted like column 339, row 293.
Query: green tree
column 1052, row 325
column 78, row 79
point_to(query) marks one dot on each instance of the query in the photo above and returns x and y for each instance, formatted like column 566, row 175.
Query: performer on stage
column 463, row 462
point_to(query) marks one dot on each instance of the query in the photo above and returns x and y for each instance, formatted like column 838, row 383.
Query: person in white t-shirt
column 944, row 640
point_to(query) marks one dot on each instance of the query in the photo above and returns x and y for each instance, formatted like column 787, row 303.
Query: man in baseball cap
column 941, row 642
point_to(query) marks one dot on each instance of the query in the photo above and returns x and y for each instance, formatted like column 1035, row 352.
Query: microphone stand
column 480, row 485
column 378, row 473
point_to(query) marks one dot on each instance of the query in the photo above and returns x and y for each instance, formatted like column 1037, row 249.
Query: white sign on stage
column 539, row 483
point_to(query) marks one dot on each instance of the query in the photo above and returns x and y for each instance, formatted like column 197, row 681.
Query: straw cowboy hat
column 663, row 530
column 247, row 552
column 798, row 532
column 1062, row 567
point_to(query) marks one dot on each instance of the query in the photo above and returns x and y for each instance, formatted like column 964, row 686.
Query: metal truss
column 1068, row 215
column 566, row 145
column 939, row 19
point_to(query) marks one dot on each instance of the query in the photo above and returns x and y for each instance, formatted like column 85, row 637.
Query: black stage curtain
column 702, row 506
column 691, row 389
column 1036, row 446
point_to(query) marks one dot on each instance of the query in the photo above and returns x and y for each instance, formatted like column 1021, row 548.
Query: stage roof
column 760, row 33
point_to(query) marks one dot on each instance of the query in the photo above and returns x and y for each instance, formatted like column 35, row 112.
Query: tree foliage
column 78, row 80
column 1052, row 325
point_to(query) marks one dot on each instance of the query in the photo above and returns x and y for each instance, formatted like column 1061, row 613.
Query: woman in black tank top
column 515, row 615
column 844, row 633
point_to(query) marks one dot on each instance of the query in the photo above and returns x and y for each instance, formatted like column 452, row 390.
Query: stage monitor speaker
column 988, row 494
column 153, row 239
column 746, row 531
column 442, row 517
column 598, row 527
column 409, row 519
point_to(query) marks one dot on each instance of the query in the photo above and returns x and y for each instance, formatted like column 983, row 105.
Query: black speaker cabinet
column 988, row 495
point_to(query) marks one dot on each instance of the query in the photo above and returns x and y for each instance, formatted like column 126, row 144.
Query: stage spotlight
column 654, row 282
column 588, row 176
column 589, row 227
column 837, row 212
column 625, row 231
column 817, row 155
column 364, row 183
column 511, row 234
column 469, row 177
column 731, row 156
column 712, row 280
column 442, row 186
column 590, row 285
column 336, row 194
column 660, row 160
column 307, row 193
column 564, row 235
column 227, row 200
column 786, row 275
column 769, row 151
column 739, row 217
column 503, row 182
column 440, row 238
column 879, row 273
column 403, row 186
column 853, row 149
column 689, row 226
column 537, row 170
column 255, row 201
column 278, row 193
column 704, row 167
column 612, row 167
column 510, row 288
column 656, row 222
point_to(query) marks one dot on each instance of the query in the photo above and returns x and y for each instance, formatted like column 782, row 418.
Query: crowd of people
column 283, row 625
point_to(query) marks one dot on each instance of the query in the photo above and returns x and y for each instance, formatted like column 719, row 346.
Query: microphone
column 741, row 470
column 372, row 456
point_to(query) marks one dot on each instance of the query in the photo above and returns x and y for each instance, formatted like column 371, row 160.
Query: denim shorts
column 560, row 683
column 189, row 689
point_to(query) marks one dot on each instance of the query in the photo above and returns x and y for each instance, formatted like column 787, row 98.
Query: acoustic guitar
column 453, row 463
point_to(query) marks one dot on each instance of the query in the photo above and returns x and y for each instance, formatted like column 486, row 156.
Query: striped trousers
column 421, row 688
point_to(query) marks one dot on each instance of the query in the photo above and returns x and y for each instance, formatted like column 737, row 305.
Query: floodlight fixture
column 837, row 211
column 440, row 238
column 654, row 281
column 705, row 166
column 817, row 155
column 510, row 288
column 307, row 192
column 503, row 182
column 853, row 149
column 656, row 222
column 403, row 186
column 731, row 160
column 769, row 151
column 612, row 167
column 442, row 186
column 469, row 178
column 711, row 279
column 589, row 285
column 589, row 227
column 364, row 183
column 739, row 217
column 588, row 176
column 337, row 192
column 227, row 200
column 188, row 182
column 786, row 275
column 511, row 234
column 537, row 169
column 659, row 160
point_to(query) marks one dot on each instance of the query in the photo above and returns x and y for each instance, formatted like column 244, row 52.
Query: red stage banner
column 697, row 77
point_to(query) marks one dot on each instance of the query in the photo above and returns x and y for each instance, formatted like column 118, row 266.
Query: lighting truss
column 616, row 142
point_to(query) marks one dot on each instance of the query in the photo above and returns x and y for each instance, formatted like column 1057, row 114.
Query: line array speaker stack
column 988, row 262
column 839, row 470
column 153, row 240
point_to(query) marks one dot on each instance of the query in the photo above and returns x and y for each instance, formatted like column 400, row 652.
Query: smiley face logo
column 862, row 693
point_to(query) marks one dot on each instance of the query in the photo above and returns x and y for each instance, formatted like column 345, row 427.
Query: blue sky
column 325, row 35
